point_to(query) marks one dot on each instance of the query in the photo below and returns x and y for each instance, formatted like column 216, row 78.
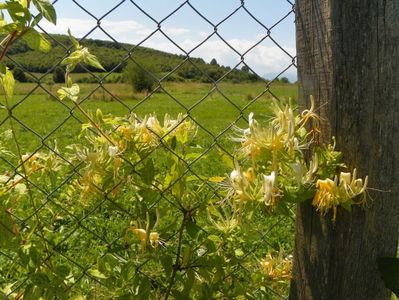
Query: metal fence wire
column 81, row 244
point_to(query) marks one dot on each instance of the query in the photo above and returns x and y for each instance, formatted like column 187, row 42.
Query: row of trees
column 143, row 78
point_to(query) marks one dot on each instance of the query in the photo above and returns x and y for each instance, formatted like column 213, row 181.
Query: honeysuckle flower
column 152, row 121
column 353, row 186
column 276, row 268
column 239, row 182
column 153, row 124
column 235, row 176
column 251, row 120
column 331, row 193
column 31, row 162
column 155, row 240
column 268, row 188
column 345, row 178
column 310, row 115
column 126, row 131
column 302, row 174
column 250, row 175
column 324, row 196
column 113, row 151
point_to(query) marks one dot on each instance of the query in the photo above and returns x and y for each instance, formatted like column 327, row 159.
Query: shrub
column 19, row 75
column 58, row 75
column 140, row 77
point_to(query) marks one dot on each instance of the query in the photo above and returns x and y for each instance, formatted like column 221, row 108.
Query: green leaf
column 91, row 60
column 96, row 273
column 8, row 229
column 71, row 93
column 74, row 41
column 192, row 229
column 40, row 279
column 18, row 12
column 72, row 60
column 36, row 40
column 173, row 143
column 188, row 283
column 295, row 194
column 3, row 68
column 63, row 271
column 389, row 269
column 167, row 264
column 32, row 292
column 36, row 20
column 46, row 9
column 148, row 172
column 238, row 252
column 8, row 83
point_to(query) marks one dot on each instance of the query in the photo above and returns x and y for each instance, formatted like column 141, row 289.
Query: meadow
column 40, row 119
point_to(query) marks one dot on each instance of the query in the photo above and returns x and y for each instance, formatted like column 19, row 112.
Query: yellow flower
column 324, row 197
column 126, row 131
column 331, row 193
column 153, row 238
column 31, row 162
column 250, row 174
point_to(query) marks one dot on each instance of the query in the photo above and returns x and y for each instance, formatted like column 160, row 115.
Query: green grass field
column 41, row 119
column 214, row 110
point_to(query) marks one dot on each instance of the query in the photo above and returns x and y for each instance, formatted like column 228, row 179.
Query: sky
column 133, row 21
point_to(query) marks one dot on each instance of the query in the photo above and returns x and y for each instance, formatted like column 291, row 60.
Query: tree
column 245, row 68
column 214, row 62
column 354, row 79
column 142, row 78
column 19, row 75
column 58, row 75
column 284, row 80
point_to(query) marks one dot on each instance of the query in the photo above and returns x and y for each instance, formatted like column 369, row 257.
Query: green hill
column 115, row 56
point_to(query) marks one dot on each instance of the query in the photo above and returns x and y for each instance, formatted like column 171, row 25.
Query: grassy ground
column 214, row 109
column 41, row 119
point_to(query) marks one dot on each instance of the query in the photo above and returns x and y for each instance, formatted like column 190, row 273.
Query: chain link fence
column 217, row 99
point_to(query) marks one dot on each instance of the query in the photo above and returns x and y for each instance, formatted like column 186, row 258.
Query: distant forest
column 113, row 57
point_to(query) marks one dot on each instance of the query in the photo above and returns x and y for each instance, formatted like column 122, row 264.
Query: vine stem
column 94, row 124
column 176, row 265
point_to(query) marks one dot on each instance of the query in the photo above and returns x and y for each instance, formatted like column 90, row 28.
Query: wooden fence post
column 348, row 58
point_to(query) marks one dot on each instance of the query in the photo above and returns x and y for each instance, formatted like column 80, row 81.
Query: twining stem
column 177, row 266
column 10, row 39
column 94, row 124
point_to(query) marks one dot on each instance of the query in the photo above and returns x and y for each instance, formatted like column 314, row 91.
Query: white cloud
column 264, row 58
column 176, row 31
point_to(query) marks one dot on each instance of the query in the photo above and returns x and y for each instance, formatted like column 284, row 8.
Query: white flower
column 151, row 122
column 251, row 119
column 112, row 151
column 345, row 178
column 4, row 178
column 235, row 176
column 268, row 184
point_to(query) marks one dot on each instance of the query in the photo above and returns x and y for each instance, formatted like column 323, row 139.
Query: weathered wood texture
column 348, row 58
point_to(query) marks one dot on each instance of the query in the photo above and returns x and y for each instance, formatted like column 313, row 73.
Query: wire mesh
column 75, row 238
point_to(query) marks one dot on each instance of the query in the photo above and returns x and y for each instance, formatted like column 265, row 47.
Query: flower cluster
column 280, row 171
column 153, row 238
column 345, row 190
column 276, row 268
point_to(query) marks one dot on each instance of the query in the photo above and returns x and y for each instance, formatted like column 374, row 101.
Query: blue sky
column 128, row 24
